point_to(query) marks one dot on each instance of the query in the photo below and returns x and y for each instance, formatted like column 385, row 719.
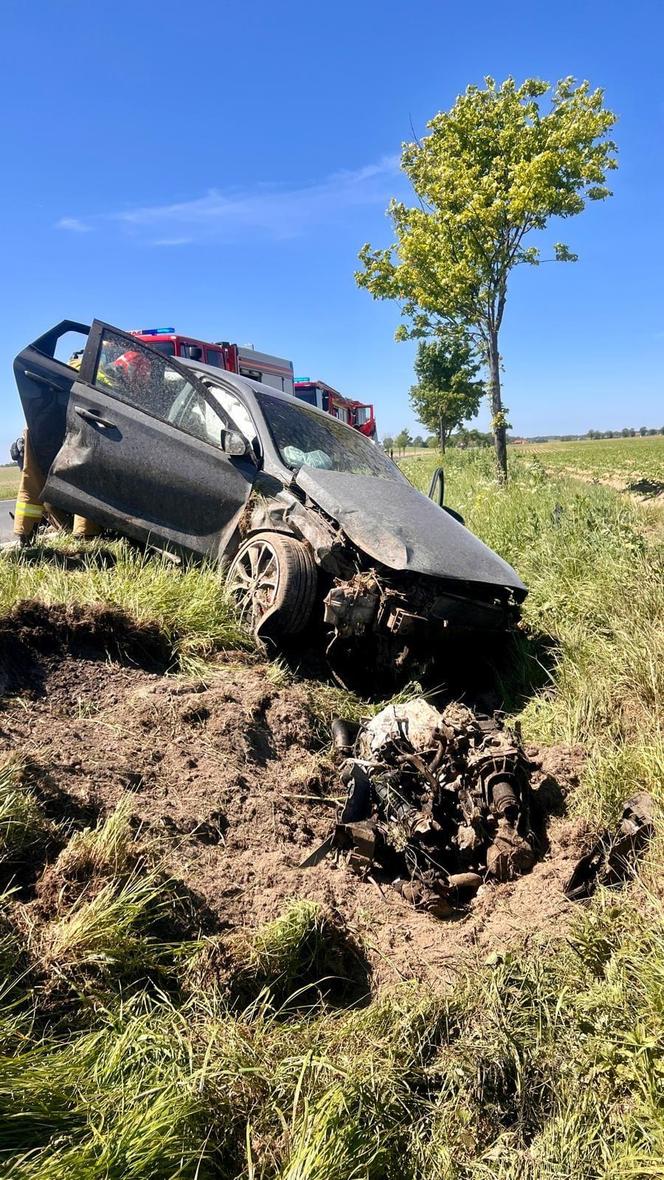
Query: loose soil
column 232, row 780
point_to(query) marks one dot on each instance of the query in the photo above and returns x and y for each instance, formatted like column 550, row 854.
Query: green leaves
column 447, row 392
column 493, row 169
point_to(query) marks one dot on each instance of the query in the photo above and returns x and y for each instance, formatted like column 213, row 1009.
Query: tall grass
column 24, row 830
column 594, row 618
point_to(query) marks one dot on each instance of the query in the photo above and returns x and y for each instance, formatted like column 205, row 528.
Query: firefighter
column 83, row 528
column 30, row 510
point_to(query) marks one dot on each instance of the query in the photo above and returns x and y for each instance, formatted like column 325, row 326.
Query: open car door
column 142, row 449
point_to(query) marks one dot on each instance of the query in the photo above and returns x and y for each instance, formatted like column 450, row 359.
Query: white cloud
column 74, row 224
column 271, row 211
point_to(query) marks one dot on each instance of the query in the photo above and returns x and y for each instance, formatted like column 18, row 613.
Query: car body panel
column 145, row 477
column 403, row 529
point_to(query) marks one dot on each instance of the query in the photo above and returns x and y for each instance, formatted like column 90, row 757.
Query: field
column 161, row 1017
column 8, row 481
column 629, row 464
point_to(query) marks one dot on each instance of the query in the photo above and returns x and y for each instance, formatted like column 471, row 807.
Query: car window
column 193, row 413
column 136, row 375
column 235, row 410
column 307, row 438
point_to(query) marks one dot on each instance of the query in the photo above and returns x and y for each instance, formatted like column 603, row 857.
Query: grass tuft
column 25, row 833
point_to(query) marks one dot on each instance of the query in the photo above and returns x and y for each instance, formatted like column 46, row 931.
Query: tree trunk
column 441, row 432
column 499, row 429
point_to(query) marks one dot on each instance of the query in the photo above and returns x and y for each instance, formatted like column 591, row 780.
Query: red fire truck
column 235, row 358
column 261, row 366
column 357, row 414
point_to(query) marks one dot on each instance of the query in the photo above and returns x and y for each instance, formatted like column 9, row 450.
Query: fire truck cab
column 235, row 358
column 353, row 413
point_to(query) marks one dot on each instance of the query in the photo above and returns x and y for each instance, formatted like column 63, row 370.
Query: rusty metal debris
column 613, row 857
column 437, row 803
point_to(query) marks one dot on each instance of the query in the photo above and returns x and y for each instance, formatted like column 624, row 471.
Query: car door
column 142, row 449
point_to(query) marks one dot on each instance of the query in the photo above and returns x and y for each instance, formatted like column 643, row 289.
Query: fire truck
column 235, row 358
column 261, row 366
column 357, row 414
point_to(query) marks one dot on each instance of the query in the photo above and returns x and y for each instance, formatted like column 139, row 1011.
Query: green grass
column 24, row 830
column 540, row 1066
column 9, row 480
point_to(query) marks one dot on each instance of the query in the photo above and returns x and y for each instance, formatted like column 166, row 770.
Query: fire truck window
column 213, row 357
column 165, row 347
column 362, row 415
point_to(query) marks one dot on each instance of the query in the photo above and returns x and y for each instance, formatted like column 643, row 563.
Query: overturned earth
column 233, row 778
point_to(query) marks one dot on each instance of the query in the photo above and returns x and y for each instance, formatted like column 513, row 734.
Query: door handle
column 92, row 416
column 40, row 379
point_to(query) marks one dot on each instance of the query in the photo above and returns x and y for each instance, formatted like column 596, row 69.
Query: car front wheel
column 272, row 579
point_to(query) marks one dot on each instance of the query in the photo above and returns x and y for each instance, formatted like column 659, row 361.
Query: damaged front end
column 419, row 579
column 403, row 621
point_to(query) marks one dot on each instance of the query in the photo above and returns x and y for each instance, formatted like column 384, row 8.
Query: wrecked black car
column 310, row 523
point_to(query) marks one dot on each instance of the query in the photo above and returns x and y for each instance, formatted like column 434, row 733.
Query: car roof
column 241, row 383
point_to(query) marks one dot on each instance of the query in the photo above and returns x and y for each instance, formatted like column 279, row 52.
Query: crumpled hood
column 403, row 529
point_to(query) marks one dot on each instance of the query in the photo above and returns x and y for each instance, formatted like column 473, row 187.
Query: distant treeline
column 626, row 432
column 480, row 438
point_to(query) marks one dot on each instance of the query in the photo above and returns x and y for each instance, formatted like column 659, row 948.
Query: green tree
column 494, row 168
column 402, row 439
column 448, row 391
column 388, row 443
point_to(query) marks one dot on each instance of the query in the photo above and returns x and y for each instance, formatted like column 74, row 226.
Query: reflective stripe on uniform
column 35, row 510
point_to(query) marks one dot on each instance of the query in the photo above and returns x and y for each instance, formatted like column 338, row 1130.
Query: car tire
column 273, row 581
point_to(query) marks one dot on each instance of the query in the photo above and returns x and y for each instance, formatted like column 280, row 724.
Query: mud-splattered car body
column 198, row 462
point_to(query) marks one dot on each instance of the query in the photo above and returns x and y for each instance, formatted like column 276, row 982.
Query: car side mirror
column 437, row 487
column 233, row 443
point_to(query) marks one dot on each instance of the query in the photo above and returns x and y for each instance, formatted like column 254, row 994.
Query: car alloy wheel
column 272, row 579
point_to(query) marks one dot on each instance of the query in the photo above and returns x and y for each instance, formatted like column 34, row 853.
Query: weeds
column 108, row 850
column 24, row 831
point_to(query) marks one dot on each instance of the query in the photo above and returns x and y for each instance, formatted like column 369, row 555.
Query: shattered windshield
column 306, row 438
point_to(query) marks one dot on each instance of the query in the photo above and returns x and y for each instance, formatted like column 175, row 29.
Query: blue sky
column 217, row 166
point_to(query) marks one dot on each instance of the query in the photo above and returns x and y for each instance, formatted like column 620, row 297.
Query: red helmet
column 132, row 364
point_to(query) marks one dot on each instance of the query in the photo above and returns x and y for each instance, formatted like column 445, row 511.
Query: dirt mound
column 228, row 778
column 34, row 637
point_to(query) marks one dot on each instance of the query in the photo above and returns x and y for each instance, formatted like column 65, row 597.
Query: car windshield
column 307, row 438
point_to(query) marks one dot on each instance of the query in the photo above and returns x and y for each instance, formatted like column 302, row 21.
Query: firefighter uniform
column 29, row 508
